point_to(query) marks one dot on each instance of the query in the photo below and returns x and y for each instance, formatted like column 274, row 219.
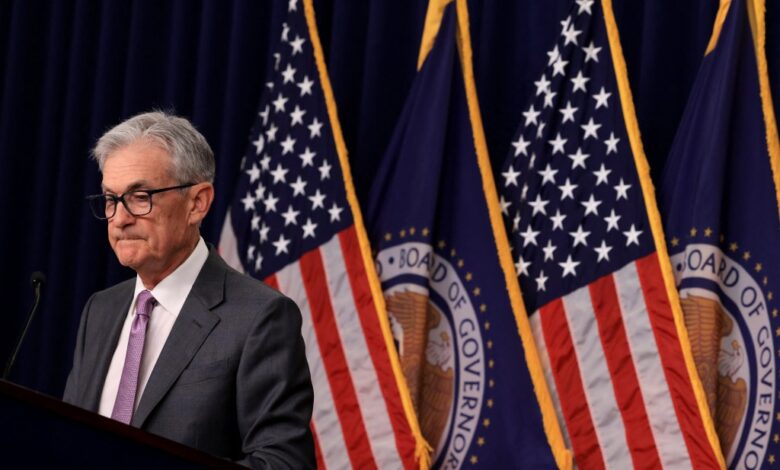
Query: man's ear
column 202, row 195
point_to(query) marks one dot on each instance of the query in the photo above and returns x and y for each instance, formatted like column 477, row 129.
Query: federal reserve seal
column 440, row 342
column 728, row 314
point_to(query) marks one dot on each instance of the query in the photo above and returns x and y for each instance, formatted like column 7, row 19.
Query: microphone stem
column 11, row 361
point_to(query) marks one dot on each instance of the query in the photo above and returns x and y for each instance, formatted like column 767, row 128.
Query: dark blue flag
column 434, row 219
column 720, row 204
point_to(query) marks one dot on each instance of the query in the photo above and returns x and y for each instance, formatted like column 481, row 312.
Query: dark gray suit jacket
column 231, row 380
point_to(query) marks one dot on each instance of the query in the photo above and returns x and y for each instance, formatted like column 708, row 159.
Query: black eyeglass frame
column 121, row 198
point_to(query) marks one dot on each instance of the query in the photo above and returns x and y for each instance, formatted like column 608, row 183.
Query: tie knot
column 144, row 303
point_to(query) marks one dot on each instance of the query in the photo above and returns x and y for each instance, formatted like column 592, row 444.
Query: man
column 190, row 349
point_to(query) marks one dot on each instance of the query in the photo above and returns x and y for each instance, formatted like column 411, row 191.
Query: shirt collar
column 172, row 291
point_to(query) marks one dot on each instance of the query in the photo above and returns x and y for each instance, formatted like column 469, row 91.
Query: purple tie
column 125, row 397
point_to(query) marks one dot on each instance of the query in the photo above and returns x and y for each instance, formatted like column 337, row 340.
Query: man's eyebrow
column 134, row 186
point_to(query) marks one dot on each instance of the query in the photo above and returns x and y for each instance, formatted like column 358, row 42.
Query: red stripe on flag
column 568, row 381
column 604, row 297
column 317, row 450
column 335, row 361
column 675, row 370
column 377, row 347
column 272, row 281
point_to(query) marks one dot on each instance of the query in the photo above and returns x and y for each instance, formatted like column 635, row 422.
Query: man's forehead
column 124, row 171
column 138, row 151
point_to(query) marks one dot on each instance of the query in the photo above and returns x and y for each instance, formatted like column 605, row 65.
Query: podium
column 41, row 431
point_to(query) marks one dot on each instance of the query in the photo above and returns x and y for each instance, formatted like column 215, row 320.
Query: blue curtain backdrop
column 71, row 69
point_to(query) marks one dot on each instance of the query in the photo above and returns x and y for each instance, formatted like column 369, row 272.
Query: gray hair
column 191, row 156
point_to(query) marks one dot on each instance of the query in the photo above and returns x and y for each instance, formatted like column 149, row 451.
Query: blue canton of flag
column 570, row 192
column 720, row 201
column 292, row 188
column 578, row 206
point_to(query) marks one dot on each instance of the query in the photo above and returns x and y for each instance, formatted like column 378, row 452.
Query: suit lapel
column 193, row 325
column 112, row 322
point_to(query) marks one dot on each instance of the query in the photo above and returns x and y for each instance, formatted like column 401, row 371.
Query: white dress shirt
column 170, row 294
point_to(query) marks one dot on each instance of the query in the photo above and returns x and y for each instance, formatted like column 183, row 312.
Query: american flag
column 292, row 224
column 579, row 219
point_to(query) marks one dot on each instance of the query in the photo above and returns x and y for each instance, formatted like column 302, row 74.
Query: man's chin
column 128, row 253
column 127, row 261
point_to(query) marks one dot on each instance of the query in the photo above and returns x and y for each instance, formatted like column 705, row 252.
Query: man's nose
column 122, row 216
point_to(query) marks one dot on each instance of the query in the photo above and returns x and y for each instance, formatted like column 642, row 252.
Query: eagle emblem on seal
column 707, row 324
column 426, row 350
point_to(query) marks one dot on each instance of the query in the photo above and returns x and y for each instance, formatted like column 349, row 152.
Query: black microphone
column 38, row 279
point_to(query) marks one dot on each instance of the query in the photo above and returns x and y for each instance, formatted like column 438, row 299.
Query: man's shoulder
column 115, row 292
column 106, row 304
column 239, row 299
column 241, row 284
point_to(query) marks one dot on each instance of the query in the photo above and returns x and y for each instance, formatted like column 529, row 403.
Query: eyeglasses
column 137, row 202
